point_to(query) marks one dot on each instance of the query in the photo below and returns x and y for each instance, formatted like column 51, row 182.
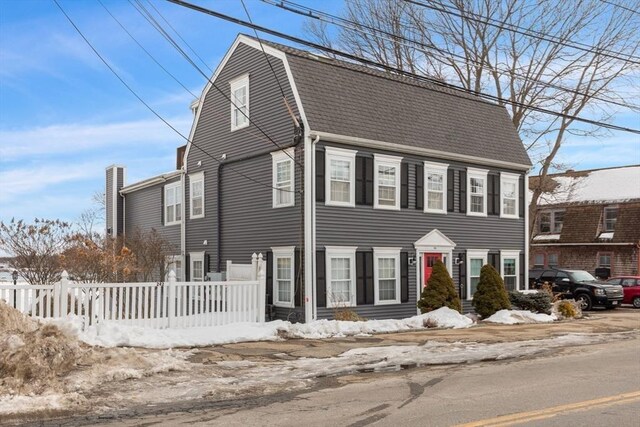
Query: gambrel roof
column 348, row 99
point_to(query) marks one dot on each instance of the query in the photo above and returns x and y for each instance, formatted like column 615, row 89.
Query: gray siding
column 249, row 222
column 109, row 201
column 120, row 201
column 366, row 227
column 143, row 209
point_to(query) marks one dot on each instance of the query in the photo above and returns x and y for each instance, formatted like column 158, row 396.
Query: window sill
column 196, row 216
column 341, row 204
column 284, row 304
column 386, row 208
column 288, row 205
column 509, row 216
column 340, row 305
column 390, row 302
column 168, row 224
column 435, row 211
column 235, row 128
column 469, row 213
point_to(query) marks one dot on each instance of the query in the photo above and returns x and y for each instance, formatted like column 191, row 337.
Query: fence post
column 254, row 266
column 60, row 295
column 228, row 275
column 56, row 298
column 262, row 289
column 171, row 304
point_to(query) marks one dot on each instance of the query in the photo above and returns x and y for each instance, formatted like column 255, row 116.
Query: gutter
column 584, row 244
column 150, row 182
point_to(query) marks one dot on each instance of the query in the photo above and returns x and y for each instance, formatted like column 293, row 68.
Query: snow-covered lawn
column 117, row 334
column 513, row 317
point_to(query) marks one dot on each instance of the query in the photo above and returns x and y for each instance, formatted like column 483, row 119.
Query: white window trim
column 604, row 218
column 440, row 168
column 481, row 174
column 341, row 252
column 195, row 177
column 340, row 154
column 283, row 252
column 168, row 187
column 170, row 259
column 193, row 257
column 278, row 157
column 509, row 178
column 391, row 161
column 234, row 85
column 386, row 253
column 516, row 256
column 474, row 253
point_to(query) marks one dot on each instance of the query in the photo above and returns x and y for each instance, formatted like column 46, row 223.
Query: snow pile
column 118, row 334
column 513, row 317
column 33, row 357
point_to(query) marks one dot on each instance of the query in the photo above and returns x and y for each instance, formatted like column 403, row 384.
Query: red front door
column 427, row 261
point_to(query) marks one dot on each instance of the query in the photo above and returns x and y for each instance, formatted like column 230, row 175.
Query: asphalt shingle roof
column 352, row 100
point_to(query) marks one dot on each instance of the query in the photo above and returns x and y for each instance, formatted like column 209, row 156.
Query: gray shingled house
column 378, row 176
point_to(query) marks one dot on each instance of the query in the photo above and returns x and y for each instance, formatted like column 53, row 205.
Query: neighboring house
column 389, row 175
column 589, row 220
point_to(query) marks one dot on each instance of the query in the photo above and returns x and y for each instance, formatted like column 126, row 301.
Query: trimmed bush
column 491, row 295
column 440, row 291
column 539, row 302
column 567, row 309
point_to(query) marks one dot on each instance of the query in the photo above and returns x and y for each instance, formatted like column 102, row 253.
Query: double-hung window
column 610, row 218
column 341, row 283
column 283, row 178
column 386, row 181
column 283, row 276
column 196, row 195
column 509, row 195
column 197, row 267
column 172, row 203
column 435, row 187
column 386, row 271
column 510, row 269
column 477, row 192
column 476, row 258
column 239, row 102
column 341, row 177
column 550, row 222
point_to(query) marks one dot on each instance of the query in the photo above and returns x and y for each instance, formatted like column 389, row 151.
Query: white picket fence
column 168, row 304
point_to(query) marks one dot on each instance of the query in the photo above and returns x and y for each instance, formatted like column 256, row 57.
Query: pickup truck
column 581, row 286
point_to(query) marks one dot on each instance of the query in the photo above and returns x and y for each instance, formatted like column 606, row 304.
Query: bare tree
column 97, row 259
column 93, row 216
column 576, row 58
column 150, row 250
column 35, row 248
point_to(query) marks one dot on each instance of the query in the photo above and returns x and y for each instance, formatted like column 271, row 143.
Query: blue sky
column 64, row 117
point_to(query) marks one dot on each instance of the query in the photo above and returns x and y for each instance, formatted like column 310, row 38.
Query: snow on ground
column 513, row 317
column 114, row 334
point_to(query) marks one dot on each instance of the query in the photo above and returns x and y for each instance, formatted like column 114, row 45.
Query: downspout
column 526, row 230
column 183, row 223
column 219, row 195
column 314, row 315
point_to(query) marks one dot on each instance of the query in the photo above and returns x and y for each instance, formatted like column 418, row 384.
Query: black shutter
column 207, row 259
column 360, row 180
column 187, row 269
column 521, row 196
column 419, row 187
column 321, row 282
column 496, row 194
column 360, row 279
column 269, row 277
column 161, row 209
column 462, row 273
column 450, row 189
column 368, row 278
column 319, row 175
column 494, row 260
column 490, row 195
column 522, row 284
column 298, row 289
column 404, row 185
column 462, row 202
column 368, row 181
column 404, row 277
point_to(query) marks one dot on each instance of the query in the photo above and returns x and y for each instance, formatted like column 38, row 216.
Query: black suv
column 581, row 286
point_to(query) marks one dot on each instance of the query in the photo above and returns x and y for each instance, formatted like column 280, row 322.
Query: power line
column 155, row 24
column 115, row 73
column 525, row 32
column 480, row 96
column 621, row 6
column 398, row 39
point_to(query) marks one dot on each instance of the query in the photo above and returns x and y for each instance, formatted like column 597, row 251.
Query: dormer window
column 239, row 102
column 610, row 218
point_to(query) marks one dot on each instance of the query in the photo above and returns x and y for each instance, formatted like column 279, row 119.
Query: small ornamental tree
column 491, row 295
column 98, row 259
column 440, row 291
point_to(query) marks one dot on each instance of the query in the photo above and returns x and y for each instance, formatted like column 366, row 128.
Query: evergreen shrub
column 440, row 291
column 539, row 302
column 491, row 295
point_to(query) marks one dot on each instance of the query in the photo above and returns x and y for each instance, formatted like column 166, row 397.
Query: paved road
column 589, row 385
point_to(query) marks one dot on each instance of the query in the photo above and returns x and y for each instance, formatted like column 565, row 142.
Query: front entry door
column 428, row 259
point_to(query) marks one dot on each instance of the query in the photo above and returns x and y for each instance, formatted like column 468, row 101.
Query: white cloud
column 72, row 138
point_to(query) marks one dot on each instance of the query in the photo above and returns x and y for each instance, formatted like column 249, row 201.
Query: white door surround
column 432, row 242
